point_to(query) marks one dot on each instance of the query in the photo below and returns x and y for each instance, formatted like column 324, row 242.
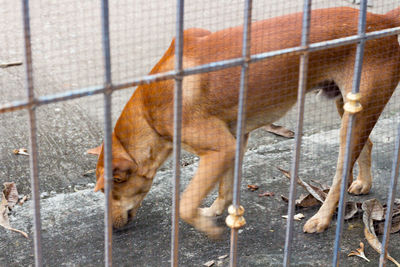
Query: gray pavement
column 73, row 222
column 67, row 55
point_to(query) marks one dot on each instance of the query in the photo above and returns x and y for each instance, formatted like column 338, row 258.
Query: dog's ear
column 147, row 170
column 121, row 162
column 95, row 150
column 99, row 184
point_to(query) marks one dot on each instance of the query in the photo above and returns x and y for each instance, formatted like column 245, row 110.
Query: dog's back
column 274, row 80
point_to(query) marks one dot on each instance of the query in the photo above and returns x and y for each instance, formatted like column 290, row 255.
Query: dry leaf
column 318, row 193
column 284, row 198
column 373, row 210
column 223, row 257
column 267, row 194
column 209, row 263
column 324, row 187
column 252, row 187
column 299, row 216
column 379, row 226
column 376, row 245
column 22, row 200
column 11, row 194
column 4, row 216
column 350, row 210
column 10, row 64
column 306, row 201
column 89, row 172
column 21, row 151
column 279, row 130
column 359, row 252
column 296, row 217
column 4, row 212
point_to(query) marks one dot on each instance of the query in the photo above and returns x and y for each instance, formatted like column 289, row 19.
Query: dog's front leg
column 225, row 191
column 224, row 197
column 212, row 165
column 209, row 138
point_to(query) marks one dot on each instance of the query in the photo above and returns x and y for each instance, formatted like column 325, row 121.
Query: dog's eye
column 118, row 179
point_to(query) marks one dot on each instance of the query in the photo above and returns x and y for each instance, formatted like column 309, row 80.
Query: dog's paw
column 359, row 187
column 316, row 224
column 215, row 232
column 210, row 212
column 207, row 225
column 207, row 212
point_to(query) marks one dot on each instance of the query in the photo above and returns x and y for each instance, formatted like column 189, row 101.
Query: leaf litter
column 373, row 210
column 359, row 252
column 252, row 187
column 9, row 197
column 297, row 217
column 373, row 213
column 21, row 151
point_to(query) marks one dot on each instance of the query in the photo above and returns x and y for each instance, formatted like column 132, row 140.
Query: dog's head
column 129, row 187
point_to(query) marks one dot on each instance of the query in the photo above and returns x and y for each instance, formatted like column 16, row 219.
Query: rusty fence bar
column 107, row 133
column 299, row 129
column 214, row 66
column 33, row 154
column 355, row 90
column 177, row 131
column 241, row 122
column 390, row 201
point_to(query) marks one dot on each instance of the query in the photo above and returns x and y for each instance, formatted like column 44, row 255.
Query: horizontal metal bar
column 326, row 44
column 214, row 66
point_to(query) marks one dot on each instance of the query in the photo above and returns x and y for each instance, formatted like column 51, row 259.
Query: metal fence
column 33, row 102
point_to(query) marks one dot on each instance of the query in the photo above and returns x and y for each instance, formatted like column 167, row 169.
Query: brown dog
column 143, row 133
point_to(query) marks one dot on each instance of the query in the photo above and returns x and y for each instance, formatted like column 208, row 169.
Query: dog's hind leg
column 363, row 183
column 225, row 193
column 373, row 101
column 211, row 139
column 224, row 197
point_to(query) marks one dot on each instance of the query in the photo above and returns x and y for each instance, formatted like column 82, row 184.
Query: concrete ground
column 67, row 55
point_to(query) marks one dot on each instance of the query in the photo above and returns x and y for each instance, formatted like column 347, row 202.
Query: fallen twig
column 10, row 64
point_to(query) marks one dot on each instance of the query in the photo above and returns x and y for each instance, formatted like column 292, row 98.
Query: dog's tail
column 394, row 16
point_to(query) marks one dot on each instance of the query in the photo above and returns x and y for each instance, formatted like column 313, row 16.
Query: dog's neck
column 140, row 140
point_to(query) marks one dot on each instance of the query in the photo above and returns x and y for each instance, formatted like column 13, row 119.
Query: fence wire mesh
column 68, row 115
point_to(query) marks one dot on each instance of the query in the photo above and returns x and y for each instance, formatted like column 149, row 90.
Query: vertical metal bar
column 241, row 123
column 299, row 129
column 390, row 201
column 107, row 134
column 345, row 173
column 177, row 131
column 33, row 158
